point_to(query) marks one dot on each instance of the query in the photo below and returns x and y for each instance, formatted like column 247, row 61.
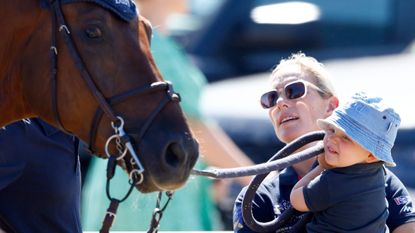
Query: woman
column 302, row 93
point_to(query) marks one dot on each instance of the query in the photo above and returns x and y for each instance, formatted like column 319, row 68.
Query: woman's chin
column 288, row 135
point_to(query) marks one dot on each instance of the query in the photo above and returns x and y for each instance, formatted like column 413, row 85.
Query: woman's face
column 294, row 117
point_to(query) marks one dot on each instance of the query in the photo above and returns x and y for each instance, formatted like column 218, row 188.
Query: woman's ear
column 333, row 104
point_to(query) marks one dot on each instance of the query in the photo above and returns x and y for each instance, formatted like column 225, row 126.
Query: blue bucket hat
column 369, row 122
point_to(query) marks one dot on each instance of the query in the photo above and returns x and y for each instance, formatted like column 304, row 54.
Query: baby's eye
column 329, row 131
column 345, row 137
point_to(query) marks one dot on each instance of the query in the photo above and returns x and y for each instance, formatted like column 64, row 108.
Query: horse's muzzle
column 173, row 168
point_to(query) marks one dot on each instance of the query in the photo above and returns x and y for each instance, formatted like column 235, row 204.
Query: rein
column 114, row 202
column 158, row 212
column 282, row 160
column 121, row 138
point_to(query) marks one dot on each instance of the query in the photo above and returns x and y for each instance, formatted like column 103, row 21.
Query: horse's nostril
column 175, row 155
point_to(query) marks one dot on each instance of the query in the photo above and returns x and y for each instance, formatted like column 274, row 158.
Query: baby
column 346, row 191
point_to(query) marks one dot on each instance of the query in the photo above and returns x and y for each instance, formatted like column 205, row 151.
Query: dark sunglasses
column 293, row 90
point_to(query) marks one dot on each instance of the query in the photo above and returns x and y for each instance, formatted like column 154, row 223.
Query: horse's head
column 108, row 73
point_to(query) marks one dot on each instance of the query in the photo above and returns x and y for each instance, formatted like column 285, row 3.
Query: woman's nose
column 281, row 103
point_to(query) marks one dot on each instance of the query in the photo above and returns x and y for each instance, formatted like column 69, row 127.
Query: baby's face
column 342, row 151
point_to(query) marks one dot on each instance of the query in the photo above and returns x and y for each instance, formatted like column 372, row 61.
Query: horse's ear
column 149, row 29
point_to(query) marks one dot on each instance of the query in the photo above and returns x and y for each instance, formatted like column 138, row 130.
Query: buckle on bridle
column 123, row 144
column 111, row 214
column 171, row 93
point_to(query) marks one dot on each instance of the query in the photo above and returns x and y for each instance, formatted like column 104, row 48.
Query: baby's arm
column 297, row 195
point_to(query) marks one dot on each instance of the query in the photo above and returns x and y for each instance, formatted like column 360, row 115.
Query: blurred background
column 366, row 45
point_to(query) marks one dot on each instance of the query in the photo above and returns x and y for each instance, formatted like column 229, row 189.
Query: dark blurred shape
column 231, row 41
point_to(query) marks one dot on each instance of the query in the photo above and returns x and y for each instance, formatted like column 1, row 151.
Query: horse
column 85, row 66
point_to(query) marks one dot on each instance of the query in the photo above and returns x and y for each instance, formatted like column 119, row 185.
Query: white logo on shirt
column 281, row 206
column 401, row 200
column 407, row 209
column 123, row 2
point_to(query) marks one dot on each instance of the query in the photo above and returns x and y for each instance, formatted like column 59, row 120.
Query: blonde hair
column 310, row 66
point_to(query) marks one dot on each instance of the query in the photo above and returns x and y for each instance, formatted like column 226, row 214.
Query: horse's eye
column 93, row 32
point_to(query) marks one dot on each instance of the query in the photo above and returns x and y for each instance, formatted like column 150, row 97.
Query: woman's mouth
column 287, row 119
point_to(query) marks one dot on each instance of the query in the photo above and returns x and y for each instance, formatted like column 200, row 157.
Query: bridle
column 121, row 138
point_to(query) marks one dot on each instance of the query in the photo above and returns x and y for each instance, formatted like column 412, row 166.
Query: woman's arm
column 401, row 217
column 405, row 228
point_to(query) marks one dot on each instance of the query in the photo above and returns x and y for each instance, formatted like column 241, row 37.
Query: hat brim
column 326, row 124
column 356, row 135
